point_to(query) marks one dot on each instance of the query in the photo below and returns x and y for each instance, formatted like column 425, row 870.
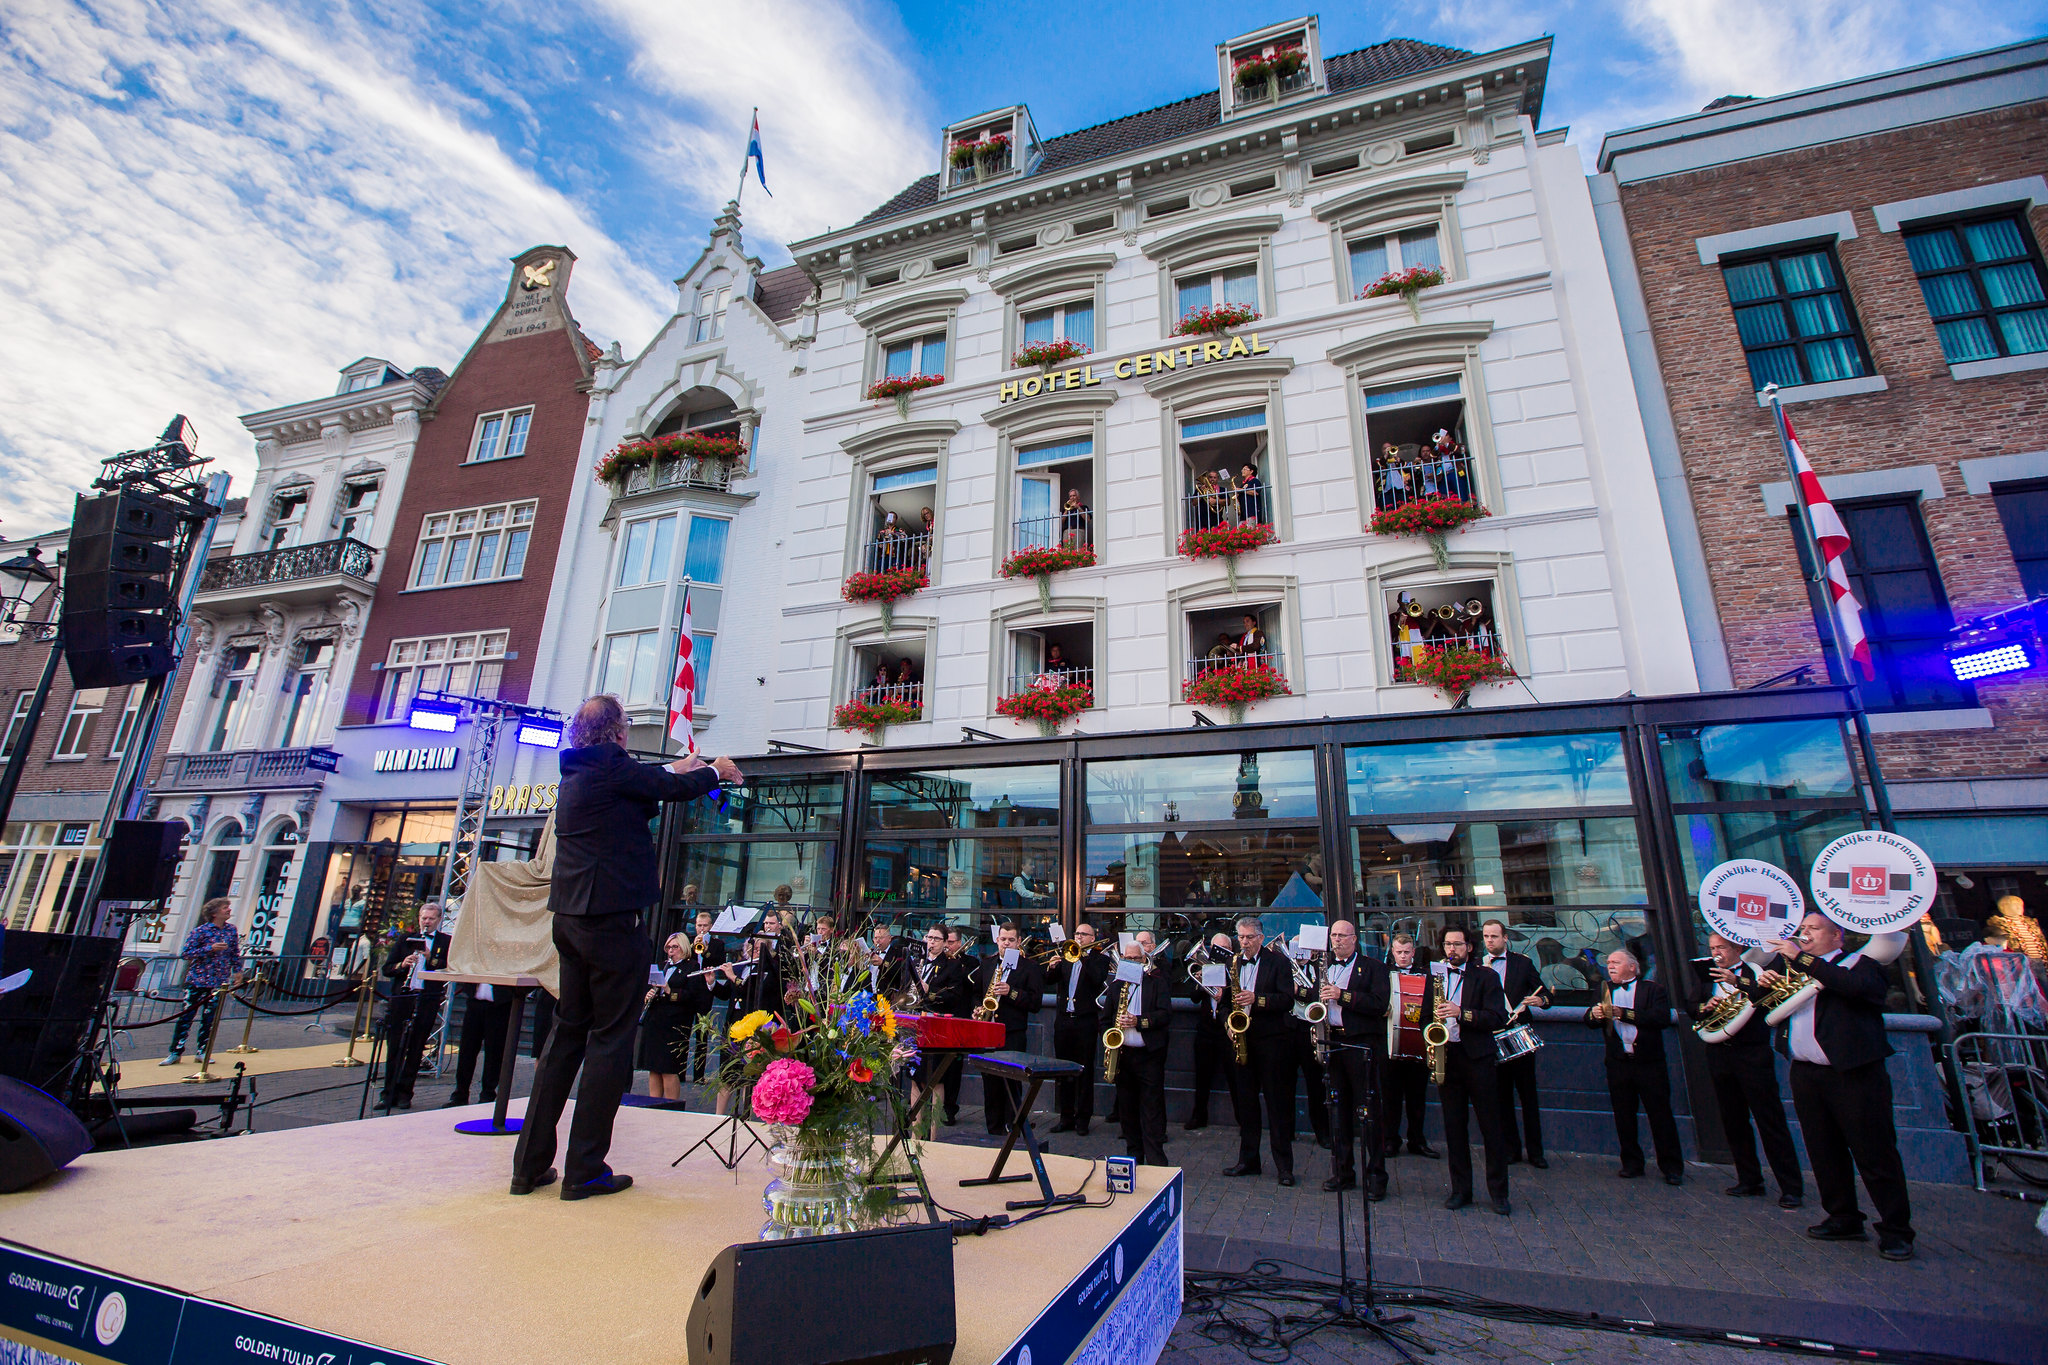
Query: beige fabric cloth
column 505, row 927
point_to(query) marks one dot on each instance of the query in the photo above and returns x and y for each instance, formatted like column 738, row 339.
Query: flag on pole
column 682, row 693
column 754, row 155
column 1833, row 539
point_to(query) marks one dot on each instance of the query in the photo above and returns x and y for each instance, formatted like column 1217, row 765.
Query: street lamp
column 17, row 575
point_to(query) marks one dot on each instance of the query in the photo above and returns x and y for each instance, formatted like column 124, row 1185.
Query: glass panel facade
column 1499, row 863
column 1781, row 761
column 1540, row 771
column 1001, row 873
column 753, row 872
column 807, row 804
column 1144, row 791
column 965, row 798
column 1278, row 869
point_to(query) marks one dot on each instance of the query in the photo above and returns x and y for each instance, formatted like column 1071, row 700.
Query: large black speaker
column 37, row 1135
column 43, row 1023
column 116, row 588
column 818, row 1300
column 141, row 858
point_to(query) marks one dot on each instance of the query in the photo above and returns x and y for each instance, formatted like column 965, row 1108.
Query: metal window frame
column 2030, row 253
column 1783, row 297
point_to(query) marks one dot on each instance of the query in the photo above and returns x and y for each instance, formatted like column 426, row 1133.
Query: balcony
column 1402, row 474
column 1069, row 529
column 1259, row 91
column 715, row 475
column 1215, row 662
column 897, row 550
column 246, row 770
column 293, row 575
column 1066, row 675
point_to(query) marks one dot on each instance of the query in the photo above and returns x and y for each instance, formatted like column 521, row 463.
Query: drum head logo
column 1873, row 882
column 1750, row 902
column 111, row 1318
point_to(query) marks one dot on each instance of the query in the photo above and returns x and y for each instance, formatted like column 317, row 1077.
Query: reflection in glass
column 1790, row 839
column 1569, row 947
column 717, row 873
column 1542, row 771
column 1270, row 869
column 965, row 798
column 1775, row 761
column 805, row 804
column 1246, row 786
column 1509, row 862
column 961, row 874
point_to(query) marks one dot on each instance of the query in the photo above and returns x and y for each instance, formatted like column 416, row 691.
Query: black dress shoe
column 1287, row 1180
column 1741, row 1191
column 456, row 1101
column 1194, row 1126
column 1424, row 1149
column 1242, row 1168
column 1831, row 1231
column 1626, row 1174
column 1081, row 1128
column 1539, row 1163
column 1323, row 1142
column 1457, row 1201
column 1375, row 1190
column 1503, row 1208
column 1063, row 1126
column 1895, row 1251
column 1791, row 1201
column 1340, row 1182
column 951, row 1120
column 1514, row 1158
column 521, row 1185
column 611, row 1182
column 1671, row 1179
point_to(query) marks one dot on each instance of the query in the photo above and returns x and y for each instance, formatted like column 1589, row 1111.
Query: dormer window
column 362, row 379
column 367, row 373
column 988, row 147
column 1270, row 67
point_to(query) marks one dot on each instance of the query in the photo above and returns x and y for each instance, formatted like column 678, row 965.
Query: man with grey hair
column 1634, row 1015
column 606, row 872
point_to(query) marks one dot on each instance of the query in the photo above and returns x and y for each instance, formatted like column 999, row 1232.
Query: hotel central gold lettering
column 1134, row 366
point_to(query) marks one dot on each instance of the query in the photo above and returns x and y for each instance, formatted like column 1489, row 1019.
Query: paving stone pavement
column 1457, row 1337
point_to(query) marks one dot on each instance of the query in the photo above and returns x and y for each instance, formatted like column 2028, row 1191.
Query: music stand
column 1372, row 1318
column 1010, row 1066
column 729, row 1127
column 497, row 1125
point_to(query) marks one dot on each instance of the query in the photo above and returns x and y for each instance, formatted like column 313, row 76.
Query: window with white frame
column 1389, row 253
column 632, row 667
column 700, row 659
column 1436, row 617
column 890, row 672
column 473, row 545
column 16, row 722
column 646, row 551
column 131, row 710
column 1207, row 288
column 358, row 508
column 76, row 737
column 901, row 518
column 288, row 516
column 1224, row 470
column 500, row 435
column 304, row 693
column 1416, row 435
column 472, row 665
column 1070, row 321
column 708, row 320
column 231, row 699
column 1241, row 635
column 914, row 355
column 1063, row 652
column 1055, row 495
column 362, row 379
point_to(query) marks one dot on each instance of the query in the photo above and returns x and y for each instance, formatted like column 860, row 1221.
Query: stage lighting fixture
column 2003, row 642
column 429, row 713
column 540, row 731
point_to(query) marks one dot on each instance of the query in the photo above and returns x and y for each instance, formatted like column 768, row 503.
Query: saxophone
column 1239, row 1021
column 1113, row 1036
column 1319, row 1014
column 987, row 1008
column 1436, row 1042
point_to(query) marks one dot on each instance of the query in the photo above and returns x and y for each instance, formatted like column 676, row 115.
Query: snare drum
column 1519, row 1041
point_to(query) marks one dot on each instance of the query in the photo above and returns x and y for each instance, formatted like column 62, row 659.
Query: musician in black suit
column 1212, row 1045
column 1467, row 1000
column 1077, row 1026
column 673, row 1009
column 1404, row 1080
column 485, row 1014
column 1745, row 1077
column 1354, row 991
column 1634, row 1017
column 606, row 873
column 943, row 984
column 754, row 979
column 1019, row 992
column 710, row 950
column 1523, row 986
column 1264, row 989
column 1842, row 1091
column 1141, row 1063
column 888, row 962
column 415, row 1011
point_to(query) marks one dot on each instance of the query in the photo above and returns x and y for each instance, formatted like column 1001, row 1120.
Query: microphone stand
column 1346, row 1306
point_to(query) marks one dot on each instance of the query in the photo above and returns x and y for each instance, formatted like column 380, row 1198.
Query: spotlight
column 429, row 713
column 1985, row 663
column 2003, row 642
column 1444, row 893
column 540, row 731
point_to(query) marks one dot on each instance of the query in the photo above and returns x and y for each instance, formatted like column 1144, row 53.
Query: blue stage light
column 429, row 713
column 536, row 730
column 1985, row 663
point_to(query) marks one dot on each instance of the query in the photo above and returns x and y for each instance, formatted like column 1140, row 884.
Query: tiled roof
column 781, row 292
column 591, row 349
column 431, row 377
column 1391, row 60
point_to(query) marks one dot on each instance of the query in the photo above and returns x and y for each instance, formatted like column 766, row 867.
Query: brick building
column 1874, row 248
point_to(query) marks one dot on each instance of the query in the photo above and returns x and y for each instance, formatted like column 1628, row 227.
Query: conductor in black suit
column 1635, row 1015
column 1523, row 986
column 605, row 875
column 1842, row 1092
column 1467, row 1000
column 1019, row 995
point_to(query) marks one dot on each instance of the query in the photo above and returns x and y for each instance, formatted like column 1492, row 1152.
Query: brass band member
column 968, row 998
column 1077, row 1027
column 703, row 1052
column 1842, row 1092
column 1141, row 1067
column 1212, row 1045
column 1019, row 993
column 1405, row 1081
column 672, row 1011
column 1524, row 988
column 1634, row 1016
column 944, row 983
column 1354, row 991
column 752, row 982
column 1264, row 989
column 1315, row 1083
column 1745, row 1077
column 888, row 963
column 1469, row 1003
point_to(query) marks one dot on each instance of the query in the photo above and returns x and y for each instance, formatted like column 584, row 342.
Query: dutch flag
column 754, row 155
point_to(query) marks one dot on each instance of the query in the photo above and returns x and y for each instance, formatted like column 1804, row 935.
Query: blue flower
column 859, row 1013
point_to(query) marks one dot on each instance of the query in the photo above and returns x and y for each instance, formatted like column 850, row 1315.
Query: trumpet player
column 1019, row 991
column 1264, row 990
column 1141, row 1065
column 1469, row 1003
column 1745, row 1077
column 888, row 967
column 1842, row 1092
column 1212, row 1044
column 1077, row 1028
column 1634, row 1016
column 1354, row 992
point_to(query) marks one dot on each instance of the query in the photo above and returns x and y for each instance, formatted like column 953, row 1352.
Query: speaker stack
column 43, row 1024
column 37, row 1135
column 141, row 859
column 818, row 1300
column 117, row 589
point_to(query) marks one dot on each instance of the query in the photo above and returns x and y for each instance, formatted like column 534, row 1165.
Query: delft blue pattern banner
column 91, row 1316
column 1123, row 1306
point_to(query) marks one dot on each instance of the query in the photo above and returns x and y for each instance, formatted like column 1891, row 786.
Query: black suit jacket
column 1095, row 971
column 895, row 971
column 437, row 960
column 1752, row 1035
column 1027, row 989
column 1272, row 1008
column 685, row 992
column 950, row 988
column 1150, row 1003
column 759, row 989
column 1523, row 978
column 605, row 861
column 1482, row 1012
column 1651, row 1014
column 1363, row 1001
column 1848, row 1013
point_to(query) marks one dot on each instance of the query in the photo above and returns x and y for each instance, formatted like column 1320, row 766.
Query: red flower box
column 1426, row 516
column 1234, row 687
column 1410, row 281
column 1048, row 353
column 1048, row 559
column 873, row 717
column 903, row 385
column 1226, row 542
column 885, row 585
column 1047, row 703
column 1454, row 670
column 689, row 445
column 1215, row 320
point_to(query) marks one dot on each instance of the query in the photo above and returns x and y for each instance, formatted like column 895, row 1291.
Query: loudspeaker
column 37, row 1135
column 116, row 586
column 142, row 859
column 43, row 1024
column 819, row 1300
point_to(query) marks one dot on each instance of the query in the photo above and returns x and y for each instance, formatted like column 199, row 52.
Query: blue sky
column 213, row 205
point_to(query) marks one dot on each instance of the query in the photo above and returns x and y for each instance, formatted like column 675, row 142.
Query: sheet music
column 1314, row 938
column 1133, row 972
column 734, row 919
column 1215, row 976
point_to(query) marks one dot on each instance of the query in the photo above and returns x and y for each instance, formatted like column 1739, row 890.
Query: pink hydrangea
column 783, row 1094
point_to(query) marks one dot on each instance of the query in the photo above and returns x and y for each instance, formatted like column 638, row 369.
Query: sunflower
column 745, row 1028
column 885, row 1017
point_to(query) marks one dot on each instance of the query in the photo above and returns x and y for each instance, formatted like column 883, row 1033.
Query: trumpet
column 1447, row 612
column 700, row 943
column 1113, row 1036
column 1412, row 608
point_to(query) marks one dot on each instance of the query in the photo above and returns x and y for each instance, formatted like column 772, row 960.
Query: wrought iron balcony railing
column 1413, row 472
column 1068, row 528
column 1209, row 508
column 887, row 552
column 715, row 475
column 1481, row 640
column 246, row 769
column 1066, row 675
column 1217, row 663
column 874, row 693
column 289, row 565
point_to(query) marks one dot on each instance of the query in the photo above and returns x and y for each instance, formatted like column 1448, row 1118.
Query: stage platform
column 397, row 1234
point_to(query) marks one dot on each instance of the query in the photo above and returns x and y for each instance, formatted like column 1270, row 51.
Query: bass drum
column 1407, row 1040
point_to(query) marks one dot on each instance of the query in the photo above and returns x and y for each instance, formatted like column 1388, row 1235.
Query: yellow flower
column 745, row 1028
column 885, row 1017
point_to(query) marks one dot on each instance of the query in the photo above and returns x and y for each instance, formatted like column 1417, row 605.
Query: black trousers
column 1641, row 1082
column 408, row 1024
column 949, row 1089
column 1471, row 1086
column 1847, row 1119
column 1518, row 1078
column 1141, row 1102
column 1746, row 1088
column 604, row 975
column 1355, row 1071
column 1318, row 1086
column 999, row 1098
column 1074, row 1039
column 1407, row 1091
column 1212, row 1056
column 483, row 1032
column 1268, row 1080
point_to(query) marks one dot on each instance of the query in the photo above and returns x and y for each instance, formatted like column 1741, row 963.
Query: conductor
column 605, row 874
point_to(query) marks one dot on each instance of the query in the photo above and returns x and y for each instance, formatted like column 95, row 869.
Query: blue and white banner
column 1120, row 1310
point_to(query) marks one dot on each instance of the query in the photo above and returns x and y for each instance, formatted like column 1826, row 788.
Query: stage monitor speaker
column 43, row 1023
column 819, row 1301
column 37, row 1135
column 142, row 859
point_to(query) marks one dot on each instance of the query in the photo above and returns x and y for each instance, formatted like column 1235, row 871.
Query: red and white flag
column 682, row 693
column 1833, row 538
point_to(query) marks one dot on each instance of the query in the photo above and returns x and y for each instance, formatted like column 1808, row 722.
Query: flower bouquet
column 1407, row 283
column 1433, row 518
column 873, row 718
column 1043, row 561
column 620, row 462
column 884, row 586
column 1454, row 670
column 1215, row 320
column 1235, row 687
column 900, row 387
column 1047, row 354
column 1226, row 543
column 1048, row 702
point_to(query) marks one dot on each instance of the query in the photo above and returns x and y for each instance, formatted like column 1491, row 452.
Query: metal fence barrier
column 2005, row 1079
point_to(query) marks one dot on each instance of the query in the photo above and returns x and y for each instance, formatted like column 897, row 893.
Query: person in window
column 907, row 687
column 1251, row 496
column 1056, row 665
column 1077, row 530
column 878, row 688
column 1251, row 641
column 887, row 551
column 1449, row 455
column 1206, row 511
column 1393, row 476
column 923, row 548
column 1223, row 653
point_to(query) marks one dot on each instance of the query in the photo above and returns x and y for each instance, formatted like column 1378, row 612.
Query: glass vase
column 817, row 1189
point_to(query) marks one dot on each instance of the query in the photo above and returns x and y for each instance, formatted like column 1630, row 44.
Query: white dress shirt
column 1454, row 991
column 1340, row 977
column 1799, row 1039
column 1625, row 999
column 1499, row 963
column 1073, row 981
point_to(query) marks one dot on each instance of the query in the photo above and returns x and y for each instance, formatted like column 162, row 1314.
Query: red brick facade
column 1924, row 417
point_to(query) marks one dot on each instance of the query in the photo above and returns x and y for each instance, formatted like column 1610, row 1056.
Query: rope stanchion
column 249, row 1017
column 327, row 1004
column 203, row 1076
column 355, row 1030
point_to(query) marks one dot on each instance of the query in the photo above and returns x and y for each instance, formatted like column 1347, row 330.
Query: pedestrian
column 213, row 959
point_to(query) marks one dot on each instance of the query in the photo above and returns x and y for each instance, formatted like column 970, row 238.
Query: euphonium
column 1726, row 1016
column 1113, row 1036
column 1782, row 1000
